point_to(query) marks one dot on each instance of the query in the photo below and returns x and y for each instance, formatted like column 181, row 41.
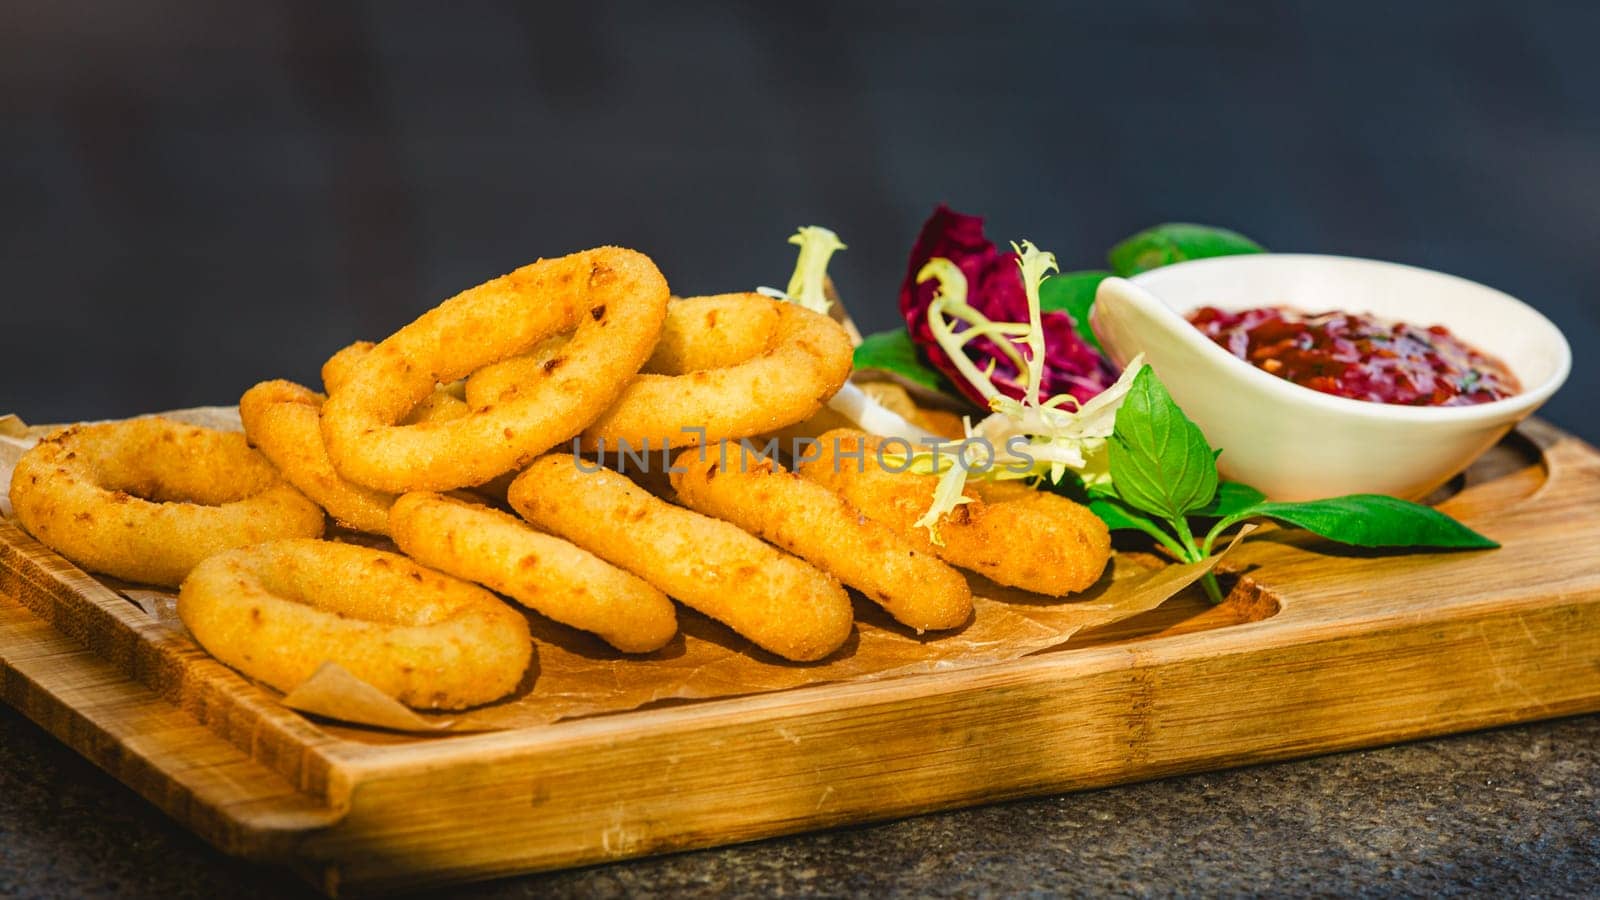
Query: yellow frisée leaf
column 949, row 306
column 1027, row 437
column 947, row 495
column 1035, row 265
column 817, row 245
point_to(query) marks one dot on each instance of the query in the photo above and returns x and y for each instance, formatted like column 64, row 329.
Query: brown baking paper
column 575, row 674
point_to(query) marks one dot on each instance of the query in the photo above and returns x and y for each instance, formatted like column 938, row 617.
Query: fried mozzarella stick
column 821, row 527
column 1039, row 542
column 540, row 571
column 781, row 603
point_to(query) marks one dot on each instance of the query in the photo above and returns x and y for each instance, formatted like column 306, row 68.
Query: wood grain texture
column 1319, row 649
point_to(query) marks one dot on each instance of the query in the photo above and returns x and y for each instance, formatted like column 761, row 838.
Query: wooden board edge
column 96, row 619
column 183, row 768
column 790, row 770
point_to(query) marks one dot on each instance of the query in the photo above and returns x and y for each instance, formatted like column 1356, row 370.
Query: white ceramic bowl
column 1295, row 443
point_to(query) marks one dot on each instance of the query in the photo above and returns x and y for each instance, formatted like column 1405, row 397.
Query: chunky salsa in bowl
column 1359, row 355
column 1410, row 377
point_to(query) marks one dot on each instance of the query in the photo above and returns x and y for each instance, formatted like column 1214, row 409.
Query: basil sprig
column 1165, row 484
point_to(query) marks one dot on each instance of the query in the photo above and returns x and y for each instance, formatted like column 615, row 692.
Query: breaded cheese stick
column 821, row 527
column 781, row 603
column 540, row 571
column 1046, row 543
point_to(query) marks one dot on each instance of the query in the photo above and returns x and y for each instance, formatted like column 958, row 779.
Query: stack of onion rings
column 614, row 298
column 712, row 393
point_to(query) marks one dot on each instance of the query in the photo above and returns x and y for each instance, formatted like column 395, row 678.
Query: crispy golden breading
column 781, row 603
column 1046, row 544
column 448, row 401
column 277, row 611
column 698, row 333
column 336, row 371
column 147, row 499
column 712, row 333
column 819, row 526
column 804, row 363
column 283, row 420
column 612, row 299
column 540, row 571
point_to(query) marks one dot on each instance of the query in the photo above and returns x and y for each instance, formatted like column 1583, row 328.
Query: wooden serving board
column 1316, row 650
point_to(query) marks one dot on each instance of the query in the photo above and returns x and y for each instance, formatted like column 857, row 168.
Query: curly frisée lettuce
column 995, row 290
column 807, row 286
column 1021, row 438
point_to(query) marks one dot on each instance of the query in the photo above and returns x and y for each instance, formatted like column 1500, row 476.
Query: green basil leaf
column 1118, row 516
column 1160, row 461
column 1174, row 242
column 896, row 353
column 1232, row 496
column 1372, row 520
column 1073, row 293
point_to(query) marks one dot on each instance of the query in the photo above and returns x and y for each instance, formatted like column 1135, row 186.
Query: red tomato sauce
column 1360, row 356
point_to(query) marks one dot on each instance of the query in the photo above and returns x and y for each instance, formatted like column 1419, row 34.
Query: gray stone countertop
column 1513, row 811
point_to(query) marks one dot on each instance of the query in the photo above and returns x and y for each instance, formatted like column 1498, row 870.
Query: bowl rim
column 1515, row 406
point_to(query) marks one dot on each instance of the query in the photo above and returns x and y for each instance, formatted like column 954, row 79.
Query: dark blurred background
column 198, row 196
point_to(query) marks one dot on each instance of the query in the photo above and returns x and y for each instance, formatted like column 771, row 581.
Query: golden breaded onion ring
column 147, row 499
column 805, row 362
column 540, row 571
column 445, row 403
column 283, row 420
column 783, row 604
column 712, row 332
column 448, row 401
column 277, row 611
column 1044, row 543
column 615, row 300
column 819, row 526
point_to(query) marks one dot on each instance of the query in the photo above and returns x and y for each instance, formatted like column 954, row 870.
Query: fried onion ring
column 445, row 403
column 805, row 361
column 1044, row 543
column 540, row 571
column 819, row 526
column 712, row 332
column 448, row 401
column 783, row 604
column 698, row 333
column 277, row 611
column 614, row 298
column 283, row 421
column 146, row 499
